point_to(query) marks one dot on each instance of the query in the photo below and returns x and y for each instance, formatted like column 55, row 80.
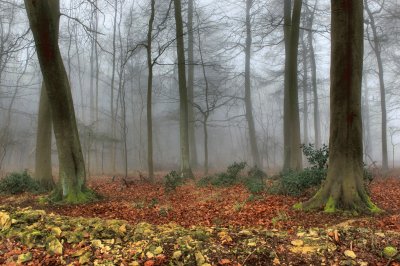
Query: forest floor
column 143, row 225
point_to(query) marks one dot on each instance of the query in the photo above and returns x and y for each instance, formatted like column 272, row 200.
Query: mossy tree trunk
column 292, row 151
column 344, row 187
column 44, row 16
column 43, row 173
column 183, row 95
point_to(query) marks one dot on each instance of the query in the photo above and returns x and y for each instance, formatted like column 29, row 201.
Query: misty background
column 97, row 34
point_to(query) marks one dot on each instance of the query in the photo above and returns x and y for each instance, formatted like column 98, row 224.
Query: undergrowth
column 19, row 182
column 254, row 180
column 296, row 183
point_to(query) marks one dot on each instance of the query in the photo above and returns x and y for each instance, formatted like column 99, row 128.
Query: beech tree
column 44, row 19
column 43, row 173
column 344, row 187
column 376, row 46
column 292, row 151
column 183, row 95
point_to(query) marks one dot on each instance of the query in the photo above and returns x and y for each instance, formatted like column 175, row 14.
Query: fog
column 86, row 43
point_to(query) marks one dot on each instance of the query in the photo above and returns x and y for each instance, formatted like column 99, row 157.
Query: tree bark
column 247, row 84
column 305, row 88
column 292, row 151
column 149, row 93
column 317, row 123
column 186, row 171
column 190, row 85
column 344, row 188
column 43, row 173
column 44, row 21
column 376, row 47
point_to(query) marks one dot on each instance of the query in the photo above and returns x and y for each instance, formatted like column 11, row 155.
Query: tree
column 44, row 22
column 247, row 84
column 292, row 151
column 150, row 65
column 375, row 44
column 317, row 123
column 344, row 188
column 183, row 98
column 190, row 79
column 43, row 173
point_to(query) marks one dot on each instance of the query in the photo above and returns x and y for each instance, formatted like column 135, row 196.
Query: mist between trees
column 133, row 90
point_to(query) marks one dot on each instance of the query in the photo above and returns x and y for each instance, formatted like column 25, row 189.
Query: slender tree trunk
column 247, row 95
column 205, row 130
column 344, row 188
column 113, row 116
column 305, row 88
column 190, row 85
column 43, row 173
column 366, row 120
column 292, row 151
column 149, row 94
column 376, row 47
column 183, row 98
column 44, row 21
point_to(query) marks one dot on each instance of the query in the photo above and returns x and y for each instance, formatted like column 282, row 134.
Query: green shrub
column 317, row 158
column 255, row 180
column 224, row 179
column 16, row 183
column 295, row 183
column 172, row 181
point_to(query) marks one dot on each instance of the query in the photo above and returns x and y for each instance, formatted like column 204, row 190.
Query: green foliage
column 16, row 183
column 295, row 183
column 224, row 179
column 255, row 180
column 172, row 181
column 317, row 158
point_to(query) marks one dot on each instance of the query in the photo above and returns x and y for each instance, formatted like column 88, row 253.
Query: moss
column 330, row 206
column 372, row 207
column 73, row 197
column 298, row 206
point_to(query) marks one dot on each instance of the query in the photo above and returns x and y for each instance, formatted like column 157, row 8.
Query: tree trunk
column 44, row 21
column 113, row 116
column 192, row 136
column 292, row 151
column 149, row 94
column 43, row 173
column 183, row 98
column 344, row 188
column 305, row 88
column 205, row 145
column 247, row 96
column 376, row 47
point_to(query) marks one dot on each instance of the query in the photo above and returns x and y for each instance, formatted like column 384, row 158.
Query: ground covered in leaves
column 143, row 225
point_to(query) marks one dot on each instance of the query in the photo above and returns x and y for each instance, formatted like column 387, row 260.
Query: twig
column 248, row 256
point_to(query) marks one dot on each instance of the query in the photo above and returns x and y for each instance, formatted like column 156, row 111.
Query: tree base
column 73, row 197
column 329, row 203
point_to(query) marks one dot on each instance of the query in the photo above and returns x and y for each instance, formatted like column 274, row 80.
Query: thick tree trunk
column 44, row 21
column 43, row 173
column 183, row 98
column 344, row 188
column 247, row 95
column 192, row 135
column 292, row 151
column 376, row 47
column 149, row 94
